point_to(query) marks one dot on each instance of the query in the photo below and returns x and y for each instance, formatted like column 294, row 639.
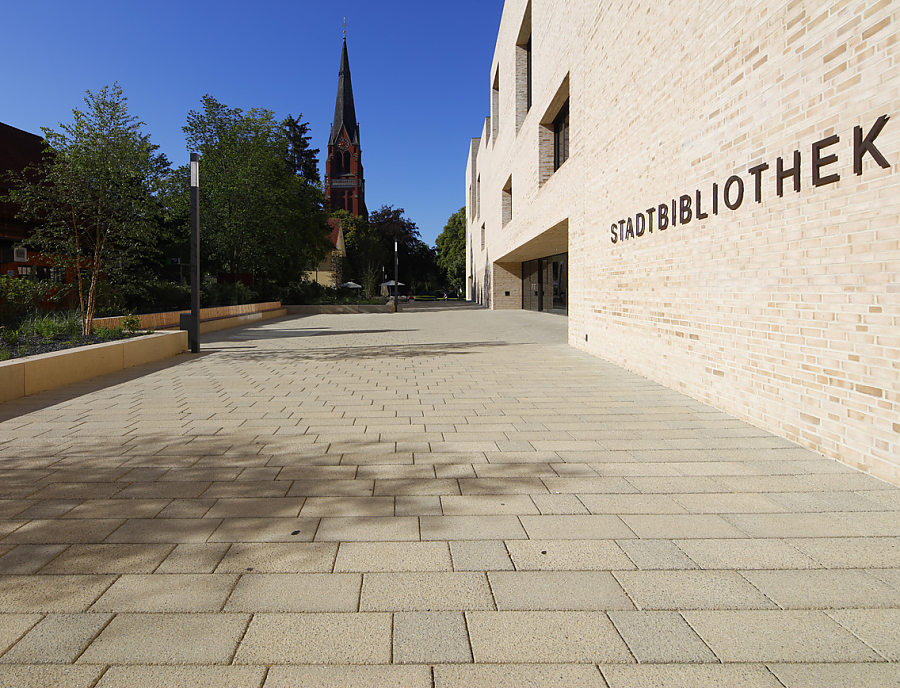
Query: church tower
column 345, row 187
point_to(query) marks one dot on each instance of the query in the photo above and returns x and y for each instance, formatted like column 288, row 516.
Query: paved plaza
column 447, row 497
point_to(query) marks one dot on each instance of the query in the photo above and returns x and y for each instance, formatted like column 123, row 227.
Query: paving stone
column 861, row 552
column 660, row 637
column 792, row 525
column 728, row 503
column 168, row 530
column 843, row 675
column 274, row 507
column 430, row 638
column 51, row 532
column 484, row 505
column 425, row 591
column 176, row 592
column 679, row 590
column 680, row 676
column 559, row 504
column 877, row 628
column 343, row 676
column 544, row 637
column 193, row 558
column 681, row 526
column 417, row 505
column 471, row 528
column 823, row 589
column 656, row 555
column 55, row 594
column 102, row 558
column 567, row 555
column 14, row 626
column 323, row 638
column 630, row 504
column 182, row 677
column 187, row 508
column 768, row 553
column 297, row 592
column 117, row 508
column 362, row 529
column 24, row 559
column 348, row 506
column 517, row 675
column 777, row 636
column 605, row 527
column 480, row 555
column 557, row 591
column 167, row 639
column 417, row 486
column 265, row 530
column 48, row 676
column 273, row 557
column 57, row 639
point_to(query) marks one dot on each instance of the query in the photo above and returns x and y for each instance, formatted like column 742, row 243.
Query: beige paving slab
column 844, row 675
column 568, row 555
column 23, row 559
column 824, row 589
column 193, row 558
column 878, row 628
column 557, row 591
column 471, row 528
column 54, row 594
column 600, row 527
column 117, row 508
column 678, row 676
column 49, row 676
column 430, row 637
column 425, row 591
column 478, row 505
column 330, row 488
column 517, row 675
column 545, row 637
column 777, row 636
column 348, row 506
column 167, row 530
column 51, row 532
column 167, row 639
column 365, row 529
column 769, row 553
column 276, row 557
column 679, row 590
column 630, row 504
column 392, row 556
column 342, row 676
column 323, row 638
column 176, row 592
column 182, row 677
column 14, row 626
column 417, row 505
column 265, row 530
column 661, row 638
column 57, row 639
column 271, row 507
column 859, row 552
column 100, row 558
column 296, row 592
column 480, row 555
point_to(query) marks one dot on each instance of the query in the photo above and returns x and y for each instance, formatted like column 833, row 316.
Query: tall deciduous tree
column 451, row 247
column 259, row 211
column 92, row 197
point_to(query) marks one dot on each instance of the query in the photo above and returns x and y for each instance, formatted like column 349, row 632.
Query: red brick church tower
column 345, row 188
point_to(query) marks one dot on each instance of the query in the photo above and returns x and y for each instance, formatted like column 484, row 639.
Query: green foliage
column 5, row 355
column 93, row 195
column 20, row 297
column 131, row 324
column 9, row 336
column 451, row 247
column 214, row 294
column 52, row 325
column 259, row 213
column 108, row 333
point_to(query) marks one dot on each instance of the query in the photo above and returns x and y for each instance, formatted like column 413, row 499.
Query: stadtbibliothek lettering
column 823, row 161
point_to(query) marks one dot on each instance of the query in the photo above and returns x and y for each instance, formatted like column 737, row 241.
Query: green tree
column 301, row 160
column 259, row 213
column 418, row 266
column 93, row 196
column 451, row 247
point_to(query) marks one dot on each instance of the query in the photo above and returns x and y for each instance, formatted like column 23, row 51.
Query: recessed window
column 495, row 106
column 507, row 202
column 561, row 137
column 523, row 69
column 482, row 237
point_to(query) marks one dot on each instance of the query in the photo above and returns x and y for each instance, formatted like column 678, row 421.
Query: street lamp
column 194, row 329
column 396, row 280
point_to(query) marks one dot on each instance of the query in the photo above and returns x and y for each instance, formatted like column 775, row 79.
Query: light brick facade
column 783, row 310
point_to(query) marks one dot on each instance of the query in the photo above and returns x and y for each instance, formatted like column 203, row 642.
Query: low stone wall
column 161, row 321
column 24, row 376
column 216, row 324
column 346, row 308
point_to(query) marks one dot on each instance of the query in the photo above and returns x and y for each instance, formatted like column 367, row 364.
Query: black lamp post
column 194, row 329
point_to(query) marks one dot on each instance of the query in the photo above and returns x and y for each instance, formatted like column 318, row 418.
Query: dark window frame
column 561, row 136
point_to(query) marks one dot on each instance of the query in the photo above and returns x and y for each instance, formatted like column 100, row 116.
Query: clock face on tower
column 342, row 144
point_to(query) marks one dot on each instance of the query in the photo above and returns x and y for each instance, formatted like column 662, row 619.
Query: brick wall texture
column 782, row 309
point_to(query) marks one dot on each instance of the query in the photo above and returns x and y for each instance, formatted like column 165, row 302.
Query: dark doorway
column 545, row 284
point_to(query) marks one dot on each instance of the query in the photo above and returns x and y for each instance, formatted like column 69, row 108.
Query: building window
column 507, row 202
column 478, row 196
column 523, row 69
column 495, row 106
column 482, row 237
column 561, row 137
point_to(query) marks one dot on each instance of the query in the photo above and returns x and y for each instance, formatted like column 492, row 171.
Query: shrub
column 131, row 324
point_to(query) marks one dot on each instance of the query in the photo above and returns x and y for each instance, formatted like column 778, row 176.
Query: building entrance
column 545, row 284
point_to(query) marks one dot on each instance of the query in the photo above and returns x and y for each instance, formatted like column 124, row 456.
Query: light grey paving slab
column 889, row 576
column 602, row 527
column 684, row 675
column 417, row 505
column 57, row 639
column 792, row 525
column 278, row 557
column 777, row 636
column 296, row 592
column 877, row 628
column 769, row 553
column 559, row 504
column 679, row 590
column 667, row 526
column 54, row 594
column 322, row 638
column 843, row 675
column 660, row 637
column 425, row 591
column 176, row 592
column 348, row 506
column 480, row 555
column 24, row 559
column 823, row 589
column 193, row 558
column 52, row 532
column 568, row 555
column 471, row 528
column 483, row 505
column 656, row 555
column 862, row 552
column 631, row 504
column 14, row 626
column 544, row 638
column 265, row 530
column 417, row 486
column 49, row 676
column 273, row 507
column 167, row 530
column 430, row 638
column 342, row 676
column 557, row 591
column 167, row 639
column 362, row 529
column 729, row 503
column 517, row 676
column 182, row 677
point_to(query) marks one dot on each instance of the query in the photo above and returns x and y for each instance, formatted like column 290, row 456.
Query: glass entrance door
column 545, row 284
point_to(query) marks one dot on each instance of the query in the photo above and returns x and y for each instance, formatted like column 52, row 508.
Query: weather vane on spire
column 345, row 27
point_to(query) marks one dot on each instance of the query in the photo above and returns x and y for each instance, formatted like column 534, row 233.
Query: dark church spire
column 344, row 111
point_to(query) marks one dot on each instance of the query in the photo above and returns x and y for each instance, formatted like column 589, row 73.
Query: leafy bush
column 51, row 325
column 131, row 324
column 107, row 333
column 9, row 336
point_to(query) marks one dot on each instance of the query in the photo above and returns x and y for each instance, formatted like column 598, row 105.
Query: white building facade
column 710, row 193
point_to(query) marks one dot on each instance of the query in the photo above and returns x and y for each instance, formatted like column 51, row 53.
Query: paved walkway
column 448, row 497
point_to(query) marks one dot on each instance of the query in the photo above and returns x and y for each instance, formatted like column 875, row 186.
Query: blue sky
column 420, row 76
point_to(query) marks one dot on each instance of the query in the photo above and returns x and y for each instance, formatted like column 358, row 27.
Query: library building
column 709, row 193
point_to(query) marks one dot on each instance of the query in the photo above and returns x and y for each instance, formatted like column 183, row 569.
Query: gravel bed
column 32, row 346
